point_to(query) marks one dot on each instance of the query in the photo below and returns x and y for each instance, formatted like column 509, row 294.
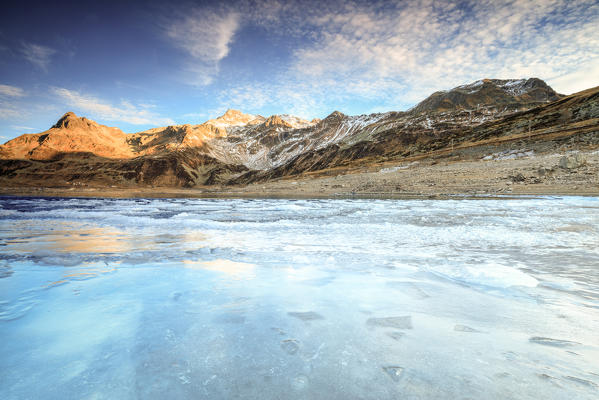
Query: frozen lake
column 285, row 299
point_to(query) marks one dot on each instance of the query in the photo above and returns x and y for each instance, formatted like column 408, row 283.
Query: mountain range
column 239, row 148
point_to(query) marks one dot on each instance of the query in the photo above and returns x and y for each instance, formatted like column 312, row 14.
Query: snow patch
column 509, row 155
column 397, row 168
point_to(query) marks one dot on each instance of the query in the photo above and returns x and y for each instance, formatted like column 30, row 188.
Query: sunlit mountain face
column 140, row 65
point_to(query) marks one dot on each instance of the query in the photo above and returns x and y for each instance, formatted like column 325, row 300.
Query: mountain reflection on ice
column 335, row 299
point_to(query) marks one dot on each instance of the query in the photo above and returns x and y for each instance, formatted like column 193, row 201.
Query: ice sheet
column 336, row 299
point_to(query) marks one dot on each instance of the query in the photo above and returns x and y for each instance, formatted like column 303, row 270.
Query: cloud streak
column 8, row 95
column 97, row 108
column 205, row 36
column 38, row 55
column 11, row 91
column 8, row 112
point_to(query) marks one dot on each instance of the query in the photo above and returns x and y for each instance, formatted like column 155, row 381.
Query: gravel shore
column 518, row 172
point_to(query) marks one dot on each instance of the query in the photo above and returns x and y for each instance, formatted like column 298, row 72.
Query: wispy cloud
column 23, row 128
column 124, row 112
column 437, row 45
column 205, row 35
column 38, row 55
column 9, row 95
column 8, row 111
column 11, row 91
column 297, row 98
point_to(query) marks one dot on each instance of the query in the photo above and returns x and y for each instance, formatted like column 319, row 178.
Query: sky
column 137, row 65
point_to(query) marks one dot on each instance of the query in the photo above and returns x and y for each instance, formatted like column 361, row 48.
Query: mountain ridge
column 512, row 93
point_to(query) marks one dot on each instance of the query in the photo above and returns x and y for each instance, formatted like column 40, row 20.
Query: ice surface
column 492, row 274
column 464, row 328
column 268, row 299
column 404, row 322
column 552, row 342
column 306, row 316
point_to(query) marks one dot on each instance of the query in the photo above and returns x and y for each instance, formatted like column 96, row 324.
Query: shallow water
column 269, row 299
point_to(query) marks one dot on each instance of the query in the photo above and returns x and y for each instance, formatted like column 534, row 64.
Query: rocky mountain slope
column 69, row 134
column 506, row 94
column 241, row 148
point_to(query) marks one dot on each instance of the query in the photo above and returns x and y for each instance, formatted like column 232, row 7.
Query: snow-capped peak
column 515, row 87
column 231, row 118
column 295, row 122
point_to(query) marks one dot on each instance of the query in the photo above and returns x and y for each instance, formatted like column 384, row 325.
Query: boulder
column 572, row 162
column 518, row 177
column 542, row 171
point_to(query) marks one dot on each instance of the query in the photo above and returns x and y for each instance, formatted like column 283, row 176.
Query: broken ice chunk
column 279, row 330
column 403, row 322
column 394, row 372
column 464, row 328
column 395, row 335
column 409, row 288
column 581, row 381
column 299, row 382
column 306, row 316
column 551, row 342
column 290, row 346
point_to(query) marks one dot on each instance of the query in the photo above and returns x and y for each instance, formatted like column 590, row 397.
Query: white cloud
column 587, row 76
column 205, row 35
column 11, row 91
column 396, row 54
column 38, row 55
column 369, row 56
column 7, row 111
column 437, row 45
column 8, row 97
column 23, row 128
column 125, row 111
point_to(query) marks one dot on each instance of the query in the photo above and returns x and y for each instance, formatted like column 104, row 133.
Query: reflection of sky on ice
column 299, row 299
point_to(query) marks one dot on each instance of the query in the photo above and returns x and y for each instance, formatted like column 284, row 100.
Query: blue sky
column 137, row 65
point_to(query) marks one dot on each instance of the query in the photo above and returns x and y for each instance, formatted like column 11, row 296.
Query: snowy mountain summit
column 490, row 93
